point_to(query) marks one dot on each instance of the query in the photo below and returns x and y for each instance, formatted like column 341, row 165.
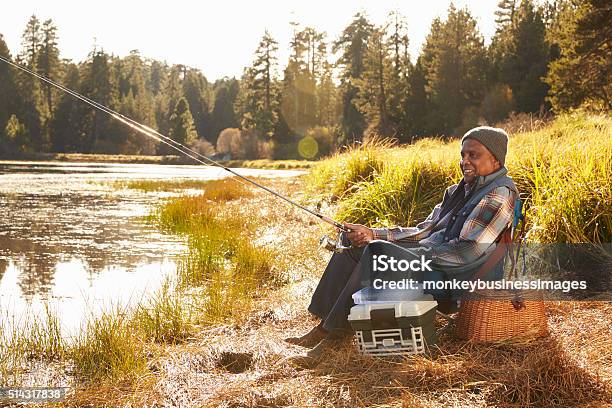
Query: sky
column 218, row 37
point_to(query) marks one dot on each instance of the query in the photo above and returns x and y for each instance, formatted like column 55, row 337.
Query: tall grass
column 45, row 337
column 218, row 190
column 34, row 338
column 165, row 318
column 563, row 172
column 161, row 185
column 113, row 347
column 342, row 174
column 221, row 259
column 109, row 349
column 228, row 292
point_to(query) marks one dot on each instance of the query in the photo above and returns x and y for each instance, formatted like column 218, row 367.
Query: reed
column 227, row 266
column 34, row 338
column 161, row 185
column 220, row 260
column 109, row 348
column 218, row 190
column 563, row 171
column 165, row 317
column 230, row 291
column 44, row 337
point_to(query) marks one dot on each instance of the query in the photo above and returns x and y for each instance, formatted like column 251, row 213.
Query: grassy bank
column 563, row 172
column 215, row 284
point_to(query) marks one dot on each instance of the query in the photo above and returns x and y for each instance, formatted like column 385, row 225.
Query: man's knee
column 377, row 246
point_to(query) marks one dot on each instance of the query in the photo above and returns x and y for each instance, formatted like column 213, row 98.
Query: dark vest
column 462, row 209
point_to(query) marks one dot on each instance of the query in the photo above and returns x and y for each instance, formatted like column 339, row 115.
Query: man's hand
column 360, row 235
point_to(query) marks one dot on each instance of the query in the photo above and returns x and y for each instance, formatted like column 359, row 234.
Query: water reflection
column 41, row 229
column 66, row 233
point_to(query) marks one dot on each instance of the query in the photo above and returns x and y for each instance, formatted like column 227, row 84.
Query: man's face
column 476, row 160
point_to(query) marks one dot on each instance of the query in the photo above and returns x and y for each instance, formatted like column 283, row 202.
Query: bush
column 241, row 144
column 226, row 139
column 203, row 146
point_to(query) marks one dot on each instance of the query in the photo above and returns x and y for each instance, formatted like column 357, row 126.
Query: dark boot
column 310, row 339
column 447, row 306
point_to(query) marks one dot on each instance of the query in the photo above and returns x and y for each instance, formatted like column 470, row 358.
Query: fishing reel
column 334, row 245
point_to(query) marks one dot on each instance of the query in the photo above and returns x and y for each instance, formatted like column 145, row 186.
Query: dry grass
column 243, row 364
column 548, row 373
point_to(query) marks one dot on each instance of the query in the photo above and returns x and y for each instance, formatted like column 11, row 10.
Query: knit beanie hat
column 494, row 139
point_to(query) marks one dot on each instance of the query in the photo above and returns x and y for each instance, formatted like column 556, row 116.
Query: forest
column 543, row 59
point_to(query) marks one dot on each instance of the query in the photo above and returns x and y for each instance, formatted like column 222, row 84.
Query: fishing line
column 168, row 141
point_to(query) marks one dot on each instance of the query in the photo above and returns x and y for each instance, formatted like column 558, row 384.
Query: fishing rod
column 198, row 157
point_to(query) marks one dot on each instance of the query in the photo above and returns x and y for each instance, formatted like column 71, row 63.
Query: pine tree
column 31, row 43
column 196, row 90
column 64, row 127
column 399, row 81
column 521, row 55
column 168, row 97
column 257, row 103
column 158, row 74
column 352, row 44
column 372, row 87
column 97, row 129
column 504, row 15
column 416, row 105
column 32, row 108
column 182, row 129
column 48, row 64
column 455, row 66
column 581, row 76
column 8, row 91
column 328, row 101
column 223, row 115
column 135, row 100
column 299, row 86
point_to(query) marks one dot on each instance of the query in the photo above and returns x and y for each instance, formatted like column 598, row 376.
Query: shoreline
column 162, row 160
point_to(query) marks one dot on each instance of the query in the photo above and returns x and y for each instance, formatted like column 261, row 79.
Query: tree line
column 542, row 58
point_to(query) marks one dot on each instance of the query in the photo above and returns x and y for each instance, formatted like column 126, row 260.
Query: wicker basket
column 502, row 315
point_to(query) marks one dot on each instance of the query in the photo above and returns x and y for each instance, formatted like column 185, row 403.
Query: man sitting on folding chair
column 458, row 237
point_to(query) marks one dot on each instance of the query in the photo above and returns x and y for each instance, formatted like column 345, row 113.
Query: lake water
column 71, row 239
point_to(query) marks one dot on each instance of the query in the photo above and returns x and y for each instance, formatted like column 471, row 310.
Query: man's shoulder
column 501, row 191
column 451, row 189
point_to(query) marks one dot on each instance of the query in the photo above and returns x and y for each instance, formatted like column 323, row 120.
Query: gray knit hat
column 494, row 139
